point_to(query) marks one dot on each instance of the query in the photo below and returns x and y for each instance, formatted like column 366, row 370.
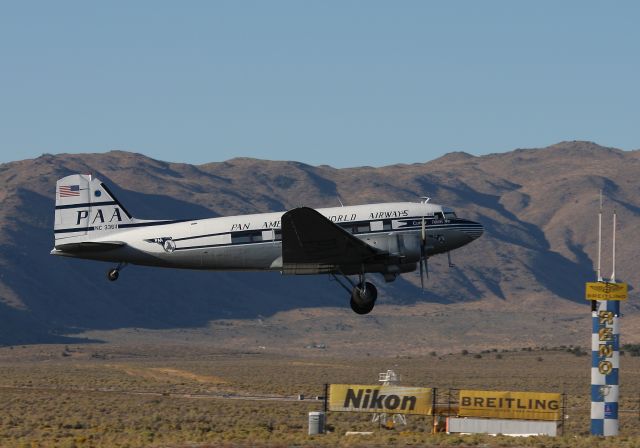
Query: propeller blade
column 426, row 266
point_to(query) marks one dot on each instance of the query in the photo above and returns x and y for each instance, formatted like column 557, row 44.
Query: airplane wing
column 312, row 244
column 88, row 246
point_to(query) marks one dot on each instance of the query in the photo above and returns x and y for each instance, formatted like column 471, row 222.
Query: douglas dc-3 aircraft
column 388, row 239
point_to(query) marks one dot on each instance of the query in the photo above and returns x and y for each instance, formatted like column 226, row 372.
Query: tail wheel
column 113, row 274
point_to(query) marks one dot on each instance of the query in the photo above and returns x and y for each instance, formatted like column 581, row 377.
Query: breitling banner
column 606, row 291
column 380, row 398
column 520, row 405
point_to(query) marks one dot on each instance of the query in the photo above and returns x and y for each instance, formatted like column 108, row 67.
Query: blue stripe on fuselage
column 85, row 205
column 122, row 226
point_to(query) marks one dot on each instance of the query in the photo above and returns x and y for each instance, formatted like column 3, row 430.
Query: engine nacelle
column 403, row 245
column 409, row 246
column 392, row 271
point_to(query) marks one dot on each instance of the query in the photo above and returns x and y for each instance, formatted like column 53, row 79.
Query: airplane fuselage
column 253, row 242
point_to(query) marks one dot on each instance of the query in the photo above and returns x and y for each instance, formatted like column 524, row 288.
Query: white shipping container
column 505, row 427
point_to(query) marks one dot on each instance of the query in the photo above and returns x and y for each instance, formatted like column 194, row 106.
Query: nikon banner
column 520, row 405
column 388, row 399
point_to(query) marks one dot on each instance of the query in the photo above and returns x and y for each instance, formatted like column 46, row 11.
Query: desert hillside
column 538, row 207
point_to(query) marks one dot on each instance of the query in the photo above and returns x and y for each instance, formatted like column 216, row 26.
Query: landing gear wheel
column 364, row 298
column 113, row 274
column 361, row 309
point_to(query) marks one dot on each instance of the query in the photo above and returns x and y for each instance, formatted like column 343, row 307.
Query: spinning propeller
column 424, row 266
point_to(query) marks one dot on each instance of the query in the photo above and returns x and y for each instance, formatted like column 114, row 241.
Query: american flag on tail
column 69, row 190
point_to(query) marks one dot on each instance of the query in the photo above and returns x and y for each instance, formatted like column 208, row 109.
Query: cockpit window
column 449, row 215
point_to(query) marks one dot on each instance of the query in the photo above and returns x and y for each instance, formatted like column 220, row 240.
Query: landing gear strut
column 114, row 273
column 363, row 295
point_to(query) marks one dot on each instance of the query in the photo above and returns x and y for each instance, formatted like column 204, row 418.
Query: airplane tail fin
column 85, row 209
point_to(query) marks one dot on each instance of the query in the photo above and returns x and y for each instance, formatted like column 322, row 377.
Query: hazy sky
column 343, row 83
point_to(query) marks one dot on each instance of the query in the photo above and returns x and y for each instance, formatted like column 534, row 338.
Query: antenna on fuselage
column 340, row 201
column 451, row 265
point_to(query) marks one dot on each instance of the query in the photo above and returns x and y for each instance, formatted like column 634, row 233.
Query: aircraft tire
column 361, row 309
column 362, row 302
column 113, row 275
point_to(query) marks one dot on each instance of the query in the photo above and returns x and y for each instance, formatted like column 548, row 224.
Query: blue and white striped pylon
column 605, row 367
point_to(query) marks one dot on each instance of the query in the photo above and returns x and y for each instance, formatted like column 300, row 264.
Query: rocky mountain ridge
column 539, row 208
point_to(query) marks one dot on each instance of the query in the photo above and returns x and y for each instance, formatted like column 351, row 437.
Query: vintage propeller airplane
column 388, row 239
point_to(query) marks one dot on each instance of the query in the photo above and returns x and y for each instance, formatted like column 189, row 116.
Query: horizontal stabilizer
column 88, row 246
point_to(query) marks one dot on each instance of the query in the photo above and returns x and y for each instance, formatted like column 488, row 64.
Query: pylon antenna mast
column 598, row 270
column 613, row 270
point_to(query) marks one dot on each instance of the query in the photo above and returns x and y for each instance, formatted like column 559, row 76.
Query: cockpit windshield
column 449, row 215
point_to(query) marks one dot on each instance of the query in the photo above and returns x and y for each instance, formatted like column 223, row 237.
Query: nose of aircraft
column 474, row 230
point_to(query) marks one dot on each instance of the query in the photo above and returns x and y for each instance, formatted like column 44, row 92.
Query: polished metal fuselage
column 253, row 242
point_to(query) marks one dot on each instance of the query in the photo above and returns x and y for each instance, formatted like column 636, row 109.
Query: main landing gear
column 114, row 273
column 363, row 294
column 363, row 297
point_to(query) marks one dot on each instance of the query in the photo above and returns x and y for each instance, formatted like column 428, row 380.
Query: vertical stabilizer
column 85, row 208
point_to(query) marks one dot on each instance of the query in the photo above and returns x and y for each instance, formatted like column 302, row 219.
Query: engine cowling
column 403, row 245
column 409, row 246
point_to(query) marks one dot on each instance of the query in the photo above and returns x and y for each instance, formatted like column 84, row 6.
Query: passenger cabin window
column 361, row 228
column 376, row 226
column 253, row 237
column 240, row 239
